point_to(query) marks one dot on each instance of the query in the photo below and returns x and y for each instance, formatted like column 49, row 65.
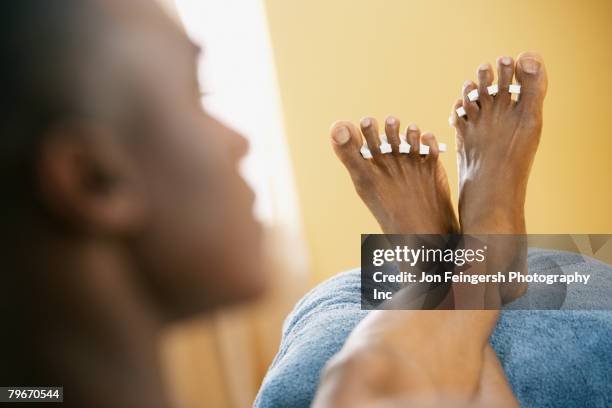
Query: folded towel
column 552, row 358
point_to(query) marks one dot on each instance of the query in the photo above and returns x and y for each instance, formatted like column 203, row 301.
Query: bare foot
column 496, row 145
column 406, row 193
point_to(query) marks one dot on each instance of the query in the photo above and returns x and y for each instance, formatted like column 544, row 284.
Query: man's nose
column 240, row 145
column 236, row 144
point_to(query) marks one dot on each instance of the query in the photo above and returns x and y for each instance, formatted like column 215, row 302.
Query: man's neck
column 99, row 334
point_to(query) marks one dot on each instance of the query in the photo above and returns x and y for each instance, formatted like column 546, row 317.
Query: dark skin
column 427, row 358
column 135, row 224
column 131, row 224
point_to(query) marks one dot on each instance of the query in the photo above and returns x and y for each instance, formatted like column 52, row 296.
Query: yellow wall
column 344, row 59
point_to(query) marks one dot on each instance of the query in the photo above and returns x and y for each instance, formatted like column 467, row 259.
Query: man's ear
column 88, row 180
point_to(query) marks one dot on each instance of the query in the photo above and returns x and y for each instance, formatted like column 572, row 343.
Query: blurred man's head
column 103, row 139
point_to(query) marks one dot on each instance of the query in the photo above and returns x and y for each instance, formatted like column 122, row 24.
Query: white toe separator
column 385, row 147
column 473, row 95
column 493, row 89
column 460, row 111
column 365, row 151
column 514, row 89
column 404, row 147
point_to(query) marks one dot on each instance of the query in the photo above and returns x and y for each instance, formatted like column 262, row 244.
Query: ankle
column 492, row 218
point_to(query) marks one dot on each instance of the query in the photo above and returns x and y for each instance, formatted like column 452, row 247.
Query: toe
column 392, row 126
column 469, row 103
column 485, row 79
column 413, row 135
column 428, row 139
column 346, row 142
column 455, row 120
column 505, row 72
column 531, row 75
column 369, row 128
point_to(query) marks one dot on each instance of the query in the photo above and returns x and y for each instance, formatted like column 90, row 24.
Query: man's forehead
column 142, row 45
column 149, row 15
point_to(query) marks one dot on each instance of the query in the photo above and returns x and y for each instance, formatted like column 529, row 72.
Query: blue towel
column 552, row 358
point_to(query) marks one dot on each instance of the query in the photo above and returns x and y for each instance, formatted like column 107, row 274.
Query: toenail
column 366, row 122
column 530, row 65
column 413, row 127
column 341, row 135
column 391, row 121
column 506, row 60
column 483, row 67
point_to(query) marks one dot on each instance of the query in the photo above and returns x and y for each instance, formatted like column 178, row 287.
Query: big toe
column 346, row 141
column 531, row 74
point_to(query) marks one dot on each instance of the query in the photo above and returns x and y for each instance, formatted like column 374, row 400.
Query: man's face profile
column 135, row 160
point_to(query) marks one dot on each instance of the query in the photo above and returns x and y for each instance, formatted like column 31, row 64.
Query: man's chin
column 221, row 299
column 247, row 295
column 252, row 289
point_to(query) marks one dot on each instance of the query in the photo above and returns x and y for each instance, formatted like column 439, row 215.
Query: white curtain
column 237, row 73
column 219, row 361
